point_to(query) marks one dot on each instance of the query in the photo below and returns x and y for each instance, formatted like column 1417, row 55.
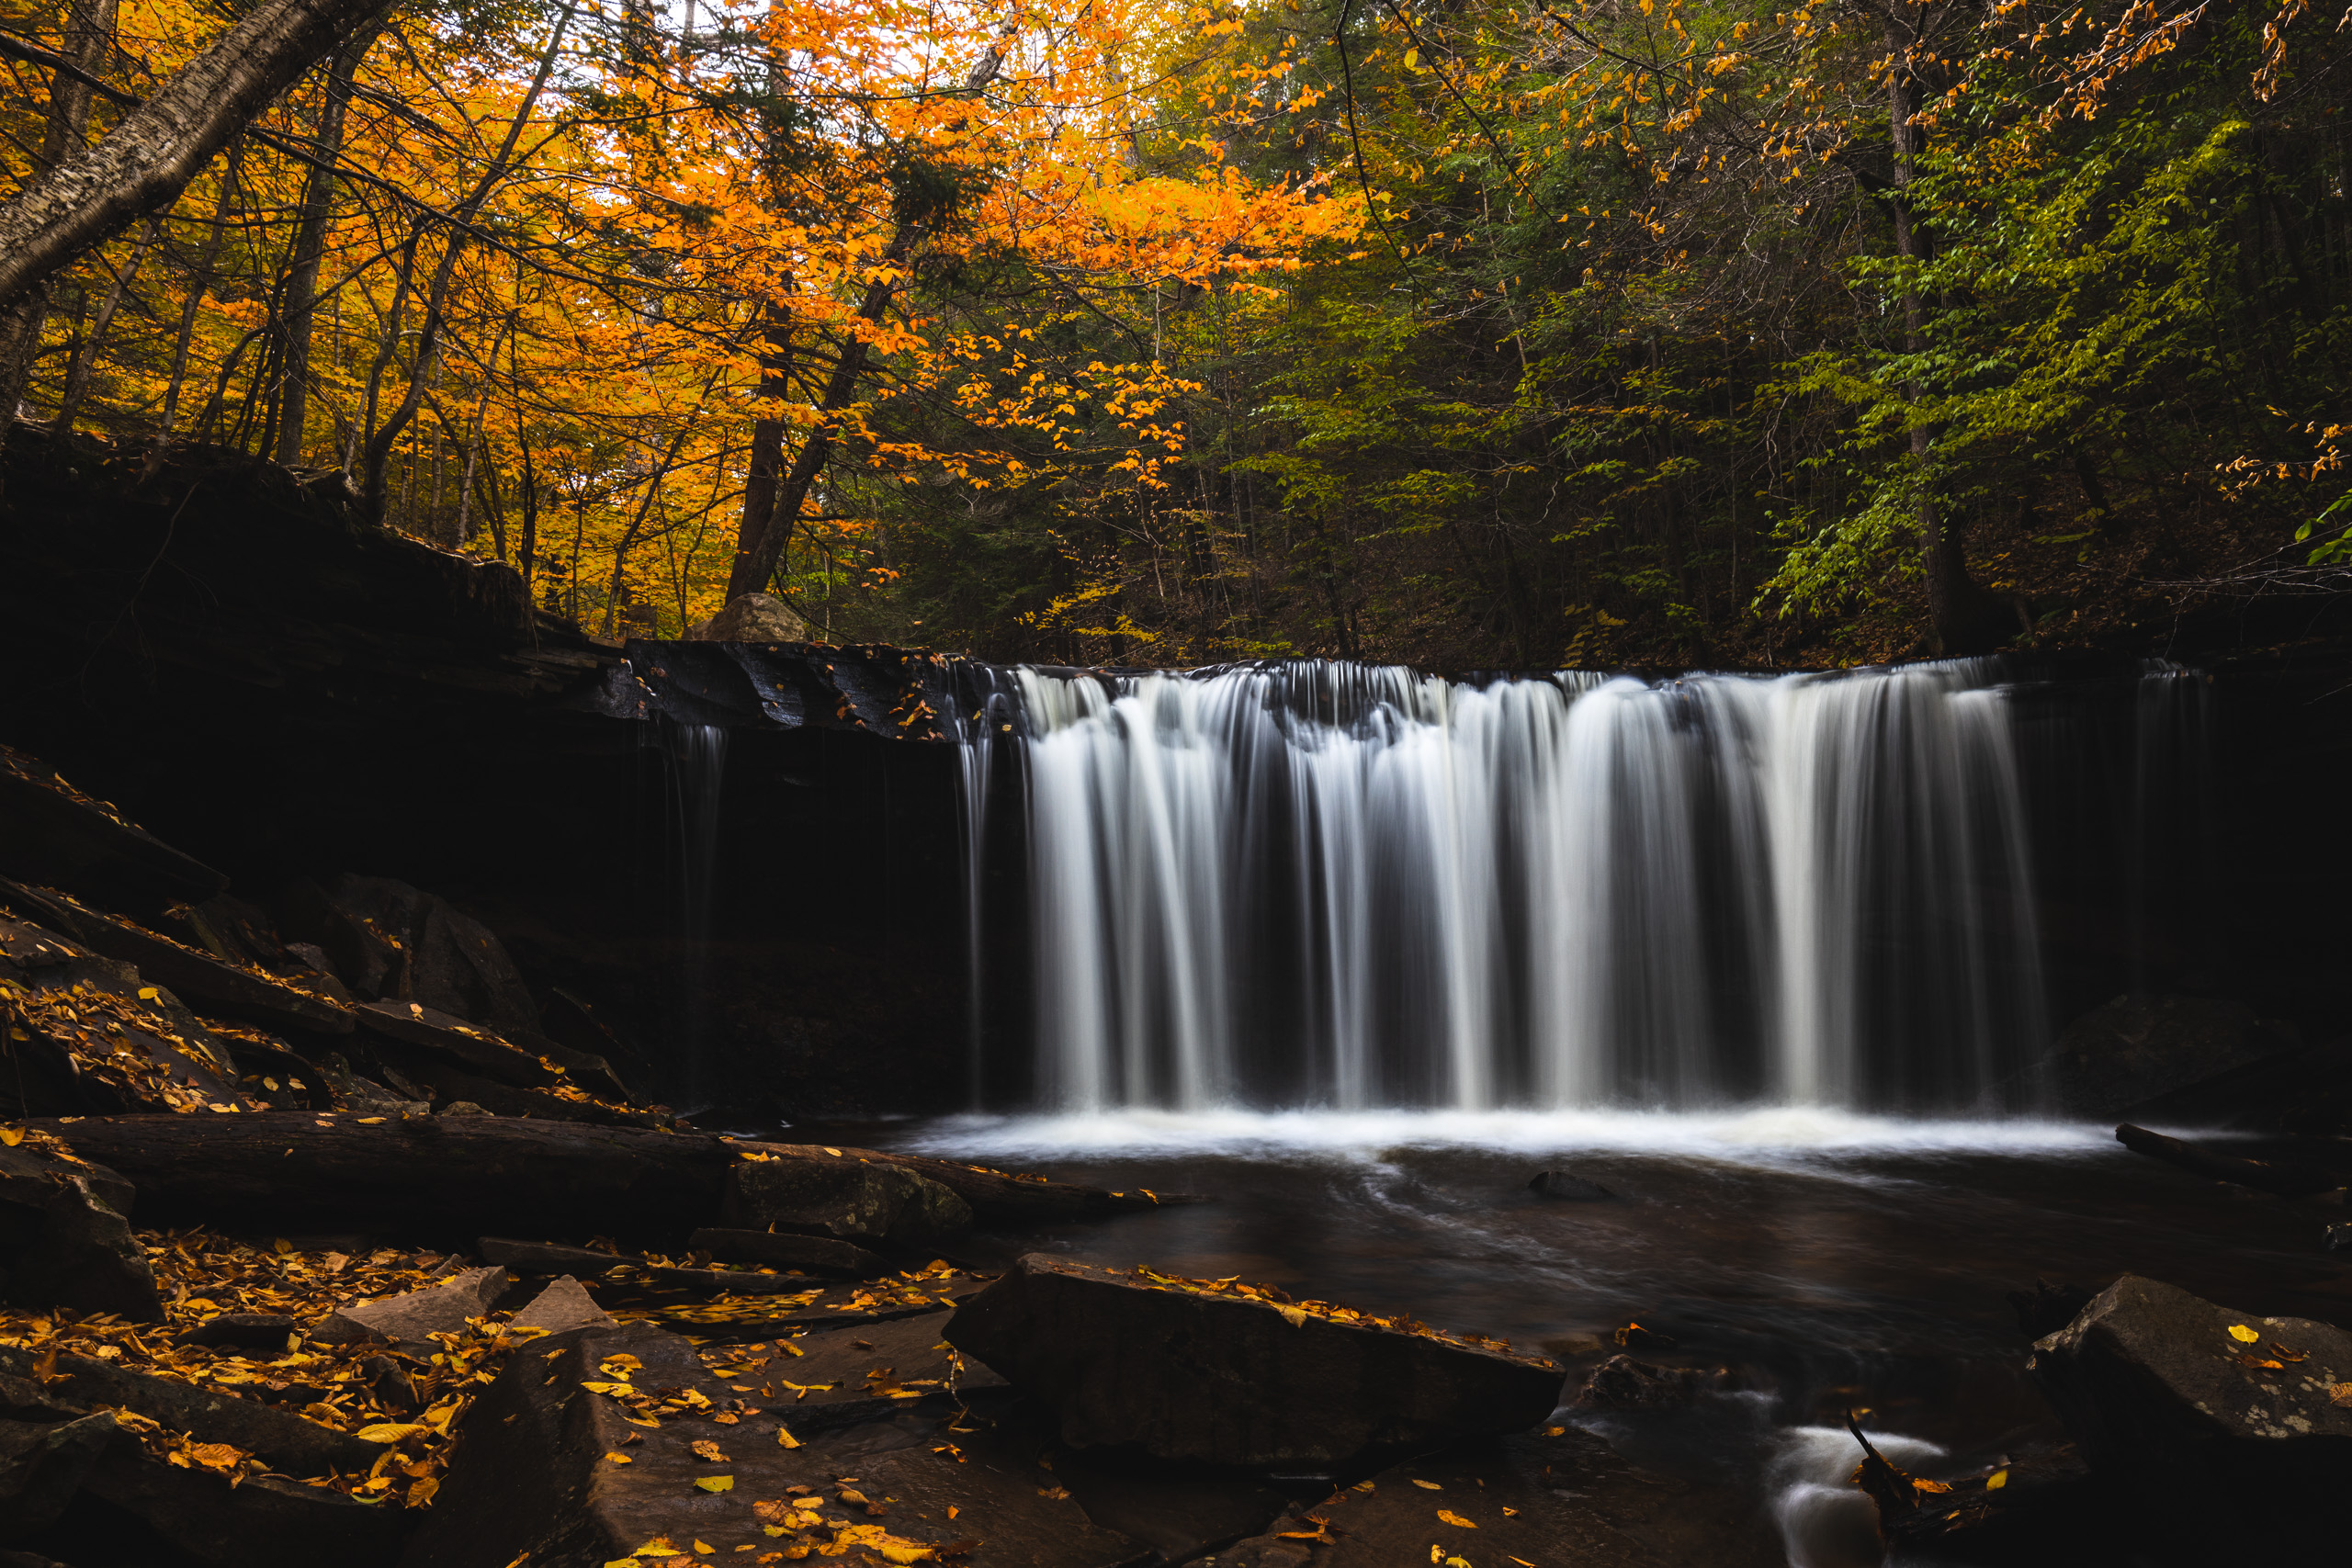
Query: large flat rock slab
column 598, row 1443
column 1559, row 1498
column 1191, row 1371
column 2236, row 1428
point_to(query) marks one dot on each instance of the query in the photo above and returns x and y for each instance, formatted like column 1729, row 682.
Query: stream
column 1827, row 1261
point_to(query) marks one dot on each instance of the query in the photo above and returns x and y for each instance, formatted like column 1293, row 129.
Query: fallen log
column 2286, row 1178
column 483, row 1174
column 408, row 1174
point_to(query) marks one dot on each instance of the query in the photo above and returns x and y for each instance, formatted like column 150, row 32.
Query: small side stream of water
column 1827, row 1261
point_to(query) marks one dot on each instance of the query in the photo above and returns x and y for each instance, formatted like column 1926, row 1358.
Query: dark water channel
column 1824, row 1263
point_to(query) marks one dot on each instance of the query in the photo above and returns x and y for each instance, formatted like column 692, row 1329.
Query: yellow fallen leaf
column 706, row 1450
column 1455, row 1519
column 1996, row 1480
column 1457, row 1563
column 148, row 993
column 785, row 1439
column 1429, row 1485
column 611, row 1388
column 900, row 1550
column 2339, row 1394
column 703, row 1548
column 658, row 1547
column 12, row 1136
column 619, row 1458
column 392, row 1431
column 2242, row 1334
column 716, row 1483
column 1295, row 1316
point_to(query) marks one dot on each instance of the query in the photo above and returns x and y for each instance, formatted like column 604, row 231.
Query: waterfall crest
column 1318, row 884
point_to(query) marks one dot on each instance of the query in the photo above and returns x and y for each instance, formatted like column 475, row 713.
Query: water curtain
column 1318, row 884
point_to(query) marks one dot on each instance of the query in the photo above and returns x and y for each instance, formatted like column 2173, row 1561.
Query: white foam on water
column 1826, row 1520
column 1738, row 1135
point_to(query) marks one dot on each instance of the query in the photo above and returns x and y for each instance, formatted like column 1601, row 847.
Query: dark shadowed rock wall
column 222, row 649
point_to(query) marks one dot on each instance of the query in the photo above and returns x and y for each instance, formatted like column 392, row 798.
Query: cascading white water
column 1316, row 883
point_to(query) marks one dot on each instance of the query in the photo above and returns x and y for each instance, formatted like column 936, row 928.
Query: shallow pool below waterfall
column 1829, row 1262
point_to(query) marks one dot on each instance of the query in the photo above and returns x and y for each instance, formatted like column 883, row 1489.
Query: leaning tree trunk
column 150, row 157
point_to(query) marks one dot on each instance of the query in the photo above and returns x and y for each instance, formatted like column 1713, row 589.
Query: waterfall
column 698, row 766
column 1309, row 884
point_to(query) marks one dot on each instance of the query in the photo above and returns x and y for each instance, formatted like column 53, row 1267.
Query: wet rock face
column 2138, row 1048
column 2236, row 1429
column 1235, row 1380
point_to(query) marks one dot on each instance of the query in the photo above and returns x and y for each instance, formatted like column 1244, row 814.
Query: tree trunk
column 89, row 36
column 199, row 280
column 150, row 157
column 1957, row 608
column 767, row 431
column 310, row 248
column 78, row 376
column 379, row 444
column 755, row 558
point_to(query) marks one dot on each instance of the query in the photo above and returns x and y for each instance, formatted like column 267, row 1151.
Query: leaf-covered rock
column 1237, row 1375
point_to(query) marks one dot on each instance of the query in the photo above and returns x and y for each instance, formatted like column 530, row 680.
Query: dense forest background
column 1645, row 332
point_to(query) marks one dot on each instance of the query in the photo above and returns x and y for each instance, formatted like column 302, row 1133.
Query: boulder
column 842, row 1196
column 389, row 942
column 2233, row 1429
column 1623, row 1383
column 2141, row 1047
column 411, row 1319
column 1193, row 1371
column 752, row 618
column 820, row 1256
column 1556, row 1496
column 42, row 1464
column 564, row 1304
column 1563, row 1184
column 550, row 1464
column 65, row 1237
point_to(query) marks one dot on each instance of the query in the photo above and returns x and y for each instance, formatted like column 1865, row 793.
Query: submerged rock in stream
column 2233, row 1430
column 1189, row 1370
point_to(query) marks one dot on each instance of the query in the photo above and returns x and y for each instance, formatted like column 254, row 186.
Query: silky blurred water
column 1827, row 1261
